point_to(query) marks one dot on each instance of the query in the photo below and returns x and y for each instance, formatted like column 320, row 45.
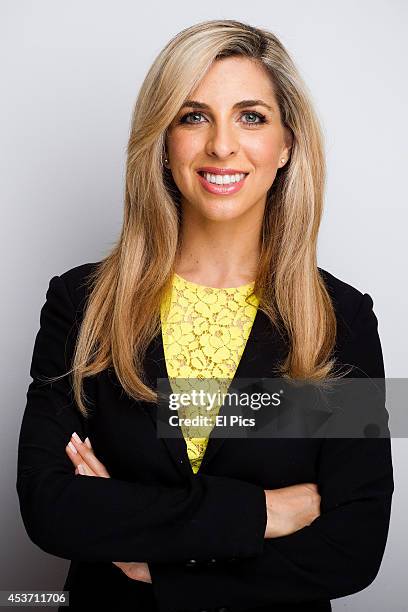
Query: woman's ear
column 288, row 139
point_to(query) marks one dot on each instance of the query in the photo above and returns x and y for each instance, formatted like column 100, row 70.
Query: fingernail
column 81, row 469
column 88, row 442
column 76, row 437
column 72, row 447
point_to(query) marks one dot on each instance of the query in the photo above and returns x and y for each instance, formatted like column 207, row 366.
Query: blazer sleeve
column 340, row 552
column 106, row 519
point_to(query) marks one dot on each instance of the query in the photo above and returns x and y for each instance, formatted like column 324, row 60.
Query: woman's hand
column 291, row 508
column 83, row 457
column 86, row 464
column 135, row 570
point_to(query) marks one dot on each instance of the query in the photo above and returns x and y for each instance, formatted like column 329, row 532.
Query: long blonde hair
column 122, row 314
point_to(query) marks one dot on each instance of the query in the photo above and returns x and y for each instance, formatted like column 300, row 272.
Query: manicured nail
column 76, row 437
column 81, row 469
column 88, row 442
column 72, row 447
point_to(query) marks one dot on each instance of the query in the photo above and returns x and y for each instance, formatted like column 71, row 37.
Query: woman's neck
column 228, row 262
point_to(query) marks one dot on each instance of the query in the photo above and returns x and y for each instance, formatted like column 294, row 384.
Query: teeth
column 223, row 179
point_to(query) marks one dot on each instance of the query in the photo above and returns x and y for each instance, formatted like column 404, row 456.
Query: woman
column 214, row 277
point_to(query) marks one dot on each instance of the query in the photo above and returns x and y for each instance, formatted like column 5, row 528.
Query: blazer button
column 192, row 563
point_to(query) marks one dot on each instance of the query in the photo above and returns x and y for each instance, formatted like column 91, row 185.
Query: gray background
column 70, row 73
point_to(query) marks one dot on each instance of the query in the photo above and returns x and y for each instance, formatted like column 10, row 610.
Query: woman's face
column 230, row 125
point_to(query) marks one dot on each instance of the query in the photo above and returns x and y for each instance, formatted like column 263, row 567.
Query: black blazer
column 202, row 535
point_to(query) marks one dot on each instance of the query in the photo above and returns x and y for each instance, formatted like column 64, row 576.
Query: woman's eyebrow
column 241, row 104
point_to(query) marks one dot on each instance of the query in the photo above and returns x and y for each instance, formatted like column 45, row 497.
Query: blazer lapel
column 263, row 350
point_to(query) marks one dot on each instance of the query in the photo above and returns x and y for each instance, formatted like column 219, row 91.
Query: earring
column 283, row 160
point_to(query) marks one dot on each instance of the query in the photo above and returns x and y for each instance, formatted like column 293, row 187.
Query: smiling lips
column 221, row 181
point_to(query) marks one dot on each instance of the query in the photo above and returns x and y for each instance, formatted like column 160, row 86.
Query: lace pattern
column 205, row 330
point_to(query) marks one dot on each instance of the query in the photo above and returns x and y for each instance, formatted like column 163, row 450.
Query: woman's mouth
column 221, row 184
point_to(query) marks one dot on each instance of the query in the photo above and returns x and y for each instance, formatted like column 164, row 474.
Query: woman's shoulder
column 346, row 298
column 353, row 307
column 340, row 289
column 77, row 281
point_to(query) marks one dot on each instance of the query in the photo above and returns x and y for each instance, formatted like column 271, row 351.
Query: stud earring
column 282, row 160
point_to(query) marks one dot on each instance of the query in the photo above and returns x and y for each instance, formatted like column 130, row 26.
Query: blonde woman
column 214, row 277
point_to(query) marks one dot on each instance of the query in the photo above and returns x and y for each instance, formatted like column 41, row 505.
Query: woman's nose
column 222, row 141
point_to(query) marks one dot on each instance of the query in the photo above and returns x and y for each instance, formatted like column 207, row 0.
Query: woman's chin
column 221, row 209
column 220, row 213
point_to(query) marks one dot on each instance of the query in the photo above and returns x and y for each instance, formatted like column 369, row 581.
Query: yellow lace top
column 205, row 330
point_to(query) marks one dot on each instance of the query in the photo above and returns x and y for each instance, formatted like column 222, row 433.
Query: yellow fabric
column 204, row 331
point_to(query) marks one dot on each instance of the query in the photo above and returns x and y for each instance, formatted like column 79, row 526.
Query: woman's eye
column 188, row 116
column 261, row 118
